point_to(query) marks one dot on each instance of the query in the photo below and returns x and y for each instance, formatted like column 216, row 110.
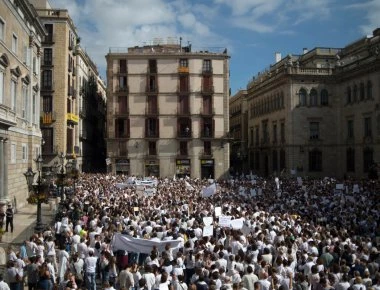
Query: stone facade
column 317, row 114
column 20, row 136
column 167, row 111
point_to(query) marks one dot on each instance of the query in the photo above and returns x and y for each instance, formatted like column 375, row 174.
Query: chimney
column 277, row 56
column 305, row 50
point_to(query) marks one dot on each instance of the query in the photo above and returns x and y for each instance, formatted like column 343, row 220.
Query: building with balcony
column 65, row 73
column 318, row 113
column 167, row 111
column 20, row 136
column 239, row 133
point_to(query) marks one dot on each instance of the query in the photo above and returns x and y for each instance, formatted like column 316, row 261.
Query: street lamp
column 39, row 193
column 62, row 174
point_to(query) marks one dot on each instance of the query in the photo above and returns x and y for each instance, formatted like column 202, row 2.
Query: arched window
column 302, row 97
column 324, row 97
column 313, row 97
column 362, row 92
column 315, row 160
column 355, row 93
column 349, row 97
column 369, row 90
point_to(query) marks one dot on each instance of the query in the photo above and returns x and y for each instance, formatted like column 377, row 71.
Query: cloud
column 372, row 9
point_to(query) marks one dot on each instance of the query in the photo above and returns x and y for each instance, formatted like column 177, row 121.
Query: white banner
column 130, row 244
column 218, row 211
column 208, row 231
column 339, row 186
column 209, row 191
column 225, row 221
column 208, row 220
column 237, row 224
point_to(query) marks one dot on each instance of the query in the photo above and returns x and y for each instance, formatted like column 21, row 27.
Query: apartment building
column 66, row 71
column 167, row 111
column 239, row 133
column 20, row 136
column 315, row 114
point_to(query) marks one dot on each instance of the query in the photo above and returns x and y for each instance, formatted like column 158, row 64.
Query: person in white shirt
column 90, row 266
column 3, row 285
column 149, row 277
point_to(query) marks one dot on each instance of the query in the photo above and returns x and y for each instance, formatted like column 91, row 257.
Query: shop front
column 207, row 168
column 183, row 168
column 152, row 168
column 122, row 166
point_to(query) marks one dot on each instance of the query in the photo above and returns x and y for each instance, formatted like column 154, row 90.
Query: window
column 251, row 135
column 362, row 92
column 121, row 128
column 349, row 97
column 350, row 129
column 152, row 66
column 123, row 66
column 282, row 132
column 47, row 135
column 13, row 153
column 368, row 127
column 355, row 93
column 34, row 65
column 152, row 105
column 257, row 136
column 207, row 65
column 14, row 43
column 13, row 94
column 369, row 90
column 34, row 109
column 324, row 98
column 183, row 148
column 302, row 97
column 152, row 128
column 184, row 62
column 152, row 148
column 274, row 160
column 207, row 147
column 265, row 132
column 47, row 80
column 350, row 160
column 274, row 131
column 2, row 29
column 314, row 130
column 257, row 160
column 122, row 105
column 313, row 97
column 184, row 83
column 1, row 86
column 315, row 160
column 48, row 57
column 24, row 153
column 24, row 102
column 282, row 159
column 184, row 106
column 49, row 29
column 367, row 159
column 207, row 105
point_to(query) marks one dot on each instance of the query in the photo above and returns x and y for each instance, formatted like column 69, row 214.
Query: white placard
column 356, row 189
column 218, row 211
column 208, row 220
column 339, row 186
column 237, row 224
column 299, row 181
column 253, row 192
column 208, row 231
column 225, row 221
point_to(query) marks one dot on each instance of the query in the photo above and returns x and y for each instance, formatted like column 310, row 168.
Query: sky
column 251, row 30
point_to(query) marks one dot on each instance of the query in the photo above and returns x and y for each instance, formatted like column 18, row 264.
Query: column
column 2, row 167
column 5, row 164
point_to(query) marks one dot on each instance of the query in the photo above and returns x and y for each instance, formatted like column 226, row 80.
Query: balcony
column 48, row 118
column 184, row 134
column 72, row 118
column 207, row 134
column 122, row 89
column 205, row 153
column 151, row 111
column 207, row 71
column 152, row 134
column 183, row 70
column 207, row 89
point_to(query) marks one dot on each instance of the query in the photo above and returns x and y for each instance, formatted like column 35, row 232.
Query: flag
column 188, row 186
column 209, row 190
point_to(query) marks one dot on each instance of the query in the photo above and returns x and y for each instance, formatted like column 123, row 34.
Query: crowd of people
column 306, row 235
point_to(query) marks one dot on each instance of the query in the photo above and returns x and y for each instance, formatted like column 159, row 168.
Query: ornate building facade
column 167, row 111
column 318, row 113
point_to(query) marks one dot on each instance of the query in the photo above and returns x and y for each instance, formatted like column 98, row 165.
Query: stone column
column 2, row 167
column 5, row 174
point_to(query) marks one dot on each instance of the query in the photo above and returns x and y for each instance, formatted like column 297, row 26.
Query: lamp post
column 62, row 175
column 39, row 195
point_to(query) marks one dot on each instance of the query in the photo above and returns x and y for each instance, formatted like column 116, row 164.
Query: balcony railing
column 152, row 89
column 183, row 112
column 207, row 89
column 183, row 69
column 121, row 135
column 48, row 118
column 151, row 111
column 72, row 118
column 207, row 112
column 207, row 70
column 205, row 153
column 122, row 112
column 151, row 134
column 47, row 62
column 207, row 133
column 47, row 88
column 122, row 89
column 183, row 89
column 183, row 134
